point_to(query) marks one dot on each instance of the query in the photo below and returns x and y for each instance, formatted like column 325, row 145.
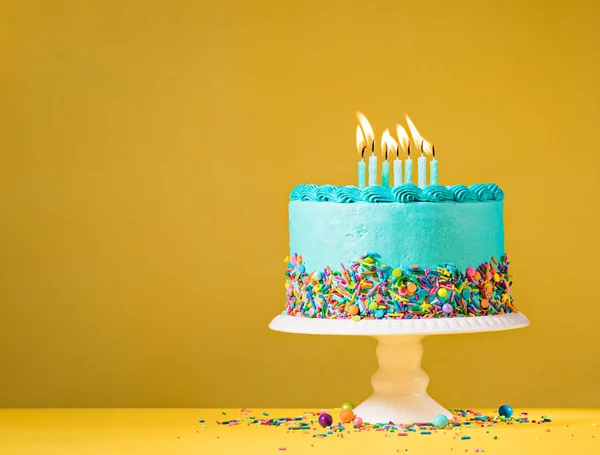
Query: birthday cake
column 397, row 252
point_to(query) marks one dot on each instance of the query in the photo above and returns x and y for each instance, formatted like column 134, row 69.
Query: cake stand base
column 399, row 384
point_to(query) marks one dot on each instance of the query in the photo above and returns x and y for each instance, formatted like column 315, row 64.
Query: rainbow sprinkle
column 462, row 420
column 368, row 289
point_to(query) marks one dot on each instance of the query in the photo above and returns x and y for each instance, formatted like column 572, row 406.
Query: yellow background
column 149, row 149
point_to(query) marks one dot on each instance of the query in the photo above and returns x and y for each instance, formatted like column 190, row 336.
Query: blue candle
column 388, row 144
column 405, row 144
column 385, row 173
column 408, row 170
column 422, row 171
column 362, row 166
column 433, row 172
column 372, row 170
column 397, row 172
column 362, row 174
column 364, row 138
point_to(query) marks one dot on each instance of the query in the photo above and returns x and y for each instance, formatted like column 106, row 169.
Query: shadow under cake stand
column 399, row 384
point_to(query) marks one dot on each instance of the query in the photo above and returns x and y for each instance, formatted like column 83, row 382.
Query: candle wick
column 386, row 152
column 362, row 153
column 408, row 150
column 433, row 150
column 373, row 147
column 422, row 143
column 397, row 152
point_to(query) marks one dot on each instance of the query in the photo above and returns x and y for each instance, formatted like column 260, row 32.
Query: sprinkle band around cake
column 369, row 289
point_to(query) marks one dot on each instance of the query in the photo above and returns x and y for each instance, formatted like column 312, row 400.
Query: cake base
column 399, row 384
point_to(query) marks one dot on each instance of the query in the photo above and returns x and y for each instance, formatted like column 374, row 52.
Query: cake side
column 423, row 234
column 369, row 289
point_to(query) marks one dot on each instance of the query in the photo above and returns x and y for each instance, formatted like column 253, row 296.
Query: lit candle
column 372, row 170
column 388, row 144
column 426, row 149
column 397, row 169
column 422, row 169
column 408, row 168
column 405, row 144
column 362, row 166
column 433, row 168
column 370, row 138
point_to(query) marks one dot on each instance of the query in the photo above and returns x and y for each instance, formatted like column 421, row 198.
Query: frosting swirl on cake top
column 408, row 192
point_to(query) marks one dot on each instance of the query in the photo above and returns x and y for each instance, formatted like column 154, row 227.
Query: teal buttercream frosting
column 347, row 194
column 304, row 193
column 498, row 194
column 463, row 194
column 464, row 231
column 325, row 193
column 483, row 192
column 377, row 193
column 480, row 192
column 440, row 193
column 410, row 193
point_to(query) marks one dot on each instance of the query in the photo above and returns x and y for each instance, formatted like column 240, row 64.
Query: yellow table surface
column 177, row 431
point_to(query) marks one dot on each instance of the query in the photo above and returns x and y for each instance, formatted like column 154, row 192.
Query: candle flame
column 388, row 144
column 403, row 138
column 367, row 131
column 361, row 144
column 419, row 141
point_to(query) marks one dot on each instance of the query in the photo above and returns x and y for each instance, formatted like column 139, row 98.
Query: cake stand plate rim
column 372, row 327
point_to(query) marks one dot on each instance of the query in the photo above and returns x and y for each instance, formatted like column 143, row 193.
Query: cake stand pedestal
column 399, row 384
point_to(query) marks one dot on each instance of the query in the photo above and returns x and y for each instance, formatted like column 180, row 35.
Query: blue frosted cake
column 397, row 252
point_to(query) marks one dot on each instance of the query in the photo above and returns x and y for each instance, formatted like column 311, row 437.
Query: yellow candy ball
column 396, row 273
column 442, row 292
column 496, row 277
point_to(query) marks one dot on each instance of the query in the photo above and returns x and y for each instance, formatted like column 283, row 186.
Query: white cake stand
column 400, row 384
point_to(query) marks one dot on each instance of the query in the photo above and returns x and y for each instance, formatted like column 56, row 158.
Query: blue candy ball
column 505, row 411
column 379, row 314
column 440, row 421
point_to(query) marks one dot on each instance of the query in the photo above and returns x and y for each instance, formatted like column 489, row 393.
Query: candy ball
column 317, row 276
column 352, row 310
column 447, row 308
column 440, row 421
column 325, row 420
column 505, row 411
column 347, row 405
column 347, row 415
column 442, row 292
column 396, row 273
column 357, row 422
